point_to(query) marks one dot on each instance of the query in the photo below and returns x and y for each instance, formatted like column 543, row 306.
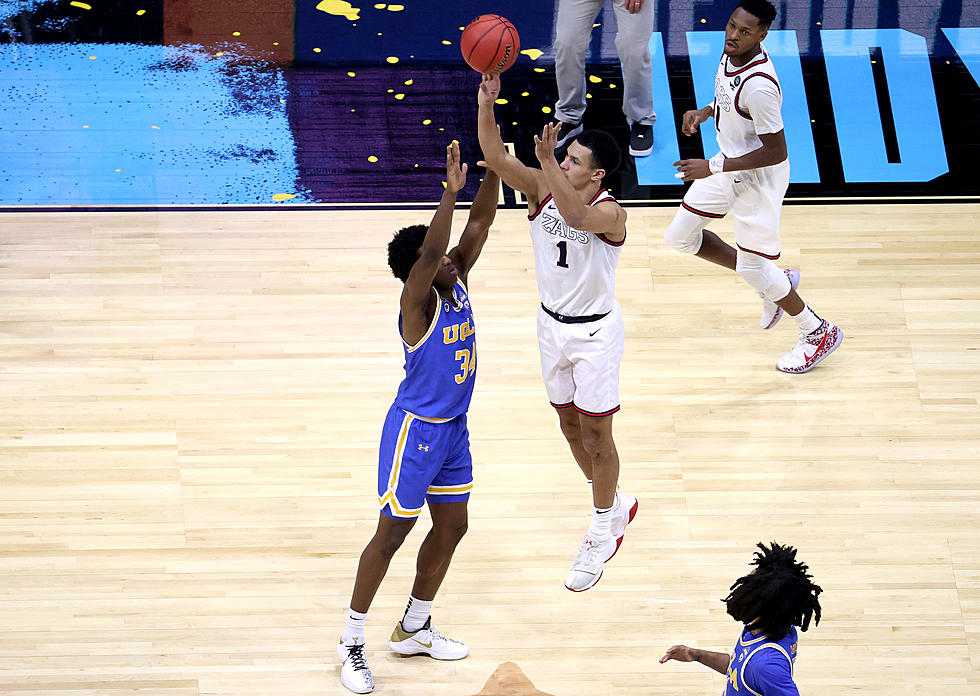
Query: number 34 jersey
column 441, row 368
column 576, row 270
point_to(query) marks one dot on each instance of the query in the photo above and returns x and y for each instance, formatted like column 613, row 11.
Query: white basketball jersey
column 576, row 270
column 748, row 102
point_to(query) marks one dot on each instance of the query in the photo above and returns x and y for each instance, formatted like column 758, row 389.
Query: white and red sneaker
column 772, row 312
column 811, row 348
column 587, row 566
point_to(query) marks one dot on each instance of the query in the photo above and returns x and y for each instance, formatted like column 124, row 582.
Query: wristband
column 717, row 164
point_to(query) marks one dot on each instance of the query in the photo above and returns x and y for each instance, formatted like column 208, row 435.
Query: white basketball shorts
column 755, row 199
column 580, row 362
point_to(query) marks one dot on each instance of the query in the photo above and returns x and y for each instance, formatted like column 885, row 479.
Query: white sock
column 601, row 526
column 354, row 629
column 416, row 614
column 807, row 320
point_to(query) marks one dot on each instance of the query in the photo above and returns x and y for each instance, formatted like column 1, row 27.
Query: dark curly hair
column 778, row 594
column 403, row 249
column 605, row 152
column 763, row 10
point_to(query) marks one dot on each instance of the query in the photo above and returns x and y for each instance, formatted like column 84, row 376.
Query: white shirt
column 576, row 270
column 748, row 102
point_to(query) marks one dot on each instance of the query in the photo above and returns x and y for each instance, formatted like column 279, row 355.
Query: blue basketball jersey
column 440, row 369
column 763, row 667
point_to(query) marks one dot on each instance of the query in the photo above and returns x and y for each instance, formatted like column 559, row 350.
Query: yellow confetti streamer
column 426, row 122
column 236, row 33
column 341, row 8
column 118, row 170
column 380, row 6
column 539, row 70
column 546, row 109
column 140, row 13
column 391, row 91
column 399, row 96
column 92, row 57
column 392, row 59
column 352, row 74
column 219, row 53
column 372, row 158
column 317, row 50
column 594, row 80
column 409, row 82
column 283, row 196
column 155, row 127
column 447, row 43
column 83, row 5
column 395, row 8
column 444, row 185
column 525, row 94
column 275, row 43
column 532, row 53
column 500, row 101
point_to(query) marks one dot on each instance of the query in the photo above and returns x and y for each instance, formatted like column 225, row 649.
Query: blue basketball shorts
column 422, row 461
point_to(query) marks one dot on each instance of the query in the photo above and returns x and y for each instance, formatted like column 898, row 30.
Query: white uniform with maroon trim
column 748, row 101
column 576, row 274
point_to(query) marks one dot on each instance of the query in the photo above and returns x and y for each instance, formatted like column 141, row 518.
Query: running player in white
column 577, row 231
column 748, row 177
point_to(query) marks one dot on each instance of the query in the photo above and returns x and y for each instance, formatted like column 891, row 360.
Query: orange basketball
column 490, row 44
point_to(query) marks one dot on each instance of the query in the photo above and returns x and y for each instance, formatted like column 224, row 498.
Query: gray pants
column 573, row 31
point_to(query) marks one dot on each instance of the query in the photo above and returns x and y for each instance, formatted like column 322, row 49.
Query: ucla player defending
column 771, row 601
column 424, row 454
column 748, row 177
column 577, row 231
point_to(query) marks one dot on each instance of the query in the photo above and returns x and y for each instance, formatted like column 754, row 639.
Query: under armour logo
column 423, row 448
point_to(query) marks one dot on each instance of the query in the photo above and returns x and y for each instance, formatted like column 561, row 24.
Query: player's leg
column 401, row 500
column 573, row 31
column 756, row 212
column 571, row 428
column 633, row 33
column 447, row 496
column 706, row 200
column 596, row 350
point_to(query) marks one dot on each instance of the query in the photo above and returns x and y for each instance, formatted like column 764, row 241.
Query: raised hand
column 455, row 174
column 544, row 146
column 489, row 89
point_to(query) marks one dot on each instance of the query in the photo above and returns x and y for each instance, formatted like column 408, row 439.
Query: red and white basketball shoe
column 811, row 348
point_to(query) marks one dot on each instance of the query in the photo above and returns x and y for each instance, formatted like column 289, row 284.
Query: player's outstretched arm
column 607, row 219
column 415, row 294
column 514, row 172
column 482, row 213
column 715, row 660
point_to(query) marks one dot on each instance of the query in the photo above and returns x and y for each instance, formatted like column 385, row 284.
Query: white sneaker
column 587, row 566
column 622, row 516
column 811, row 348
column 772, row 312
column 355, row 673
column 426, row 641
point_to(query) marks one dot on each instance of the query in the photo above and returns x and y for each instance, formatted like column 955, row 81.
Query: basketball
column 490, row 44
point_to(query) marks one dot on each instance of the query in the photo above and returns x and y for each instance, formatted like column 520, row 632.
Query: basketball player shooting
column 577, row 231
column 748, row 177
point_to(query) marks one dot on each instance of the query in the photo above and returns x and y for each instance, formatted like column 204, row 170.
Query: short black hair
column 605, row 152
column 777, row 595
column 403, row 249
column 763, row 10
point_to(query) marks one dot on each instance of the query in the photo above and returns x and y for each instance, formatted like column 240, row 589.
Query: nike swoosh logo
column 595, row 332
column 424, row 645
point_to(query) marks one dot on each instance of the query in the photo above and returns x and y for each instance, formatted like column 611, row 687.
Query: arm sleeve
column 761, row 99
column 771, row 676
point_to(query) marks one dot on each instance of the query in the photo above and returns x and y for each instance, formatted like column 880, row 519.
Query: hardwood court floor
column 190, row 409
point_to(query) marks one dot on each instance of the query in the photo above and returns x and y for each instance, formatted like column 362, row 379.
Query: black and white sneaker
column 355, row 673
column 567, row 132
column 641, row 140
